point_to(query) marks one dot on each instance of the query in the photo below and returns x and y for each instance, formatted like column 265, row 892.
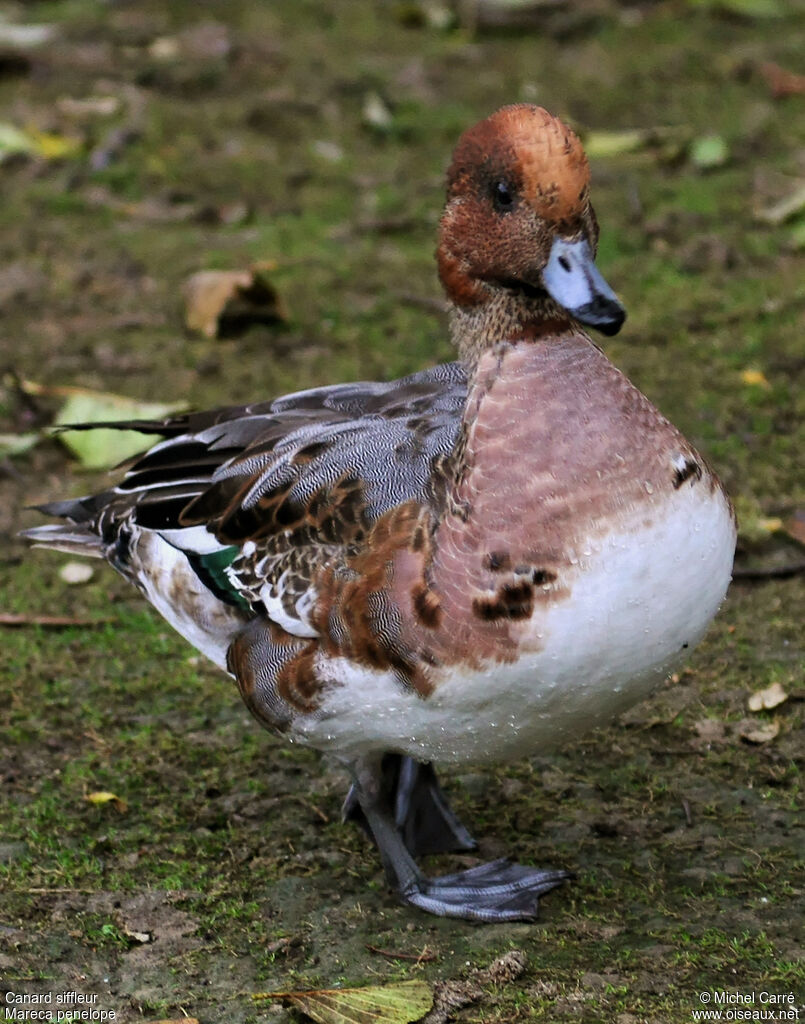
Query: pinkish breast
column 560, row 449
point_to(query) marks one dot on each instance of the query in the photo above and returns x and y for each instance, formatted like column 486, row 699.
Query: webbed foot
column 400, row 805
column 500, row 890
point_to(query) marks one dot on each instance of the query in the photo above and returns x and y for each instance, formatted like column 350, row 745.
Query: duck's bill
column 573, row 280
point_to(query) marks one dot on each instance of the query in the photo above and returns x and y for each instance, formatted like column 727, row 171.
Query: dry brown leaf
column 794, row 526
column 781, row 82
column 222, row 303
column 764, row 700
column 754, row 732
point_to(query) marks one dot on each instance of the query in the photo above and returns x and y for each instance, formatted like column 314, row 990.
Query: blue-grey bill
column 573, row 280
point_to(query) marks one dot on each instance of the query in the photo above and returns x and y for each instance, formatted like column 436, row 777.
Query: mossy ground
column 229, row 855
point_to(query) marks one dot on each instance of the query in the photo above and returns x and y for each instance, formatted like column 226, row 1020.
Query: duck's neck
column 484, row 333
column 506, row 315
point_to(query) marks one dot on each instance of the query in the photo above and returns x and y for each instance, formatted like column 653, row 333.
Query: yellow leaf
column 755, row 378
column 375, row 1004
column 104, row 797
column 54, row 147
column 607, row 144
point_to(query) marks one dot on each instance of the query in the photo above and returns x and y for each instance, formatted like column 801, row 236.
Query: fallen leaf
column 25, row 37
column 708, row 152
column 794, row 526
column 766, row 699
column 376, row 113
column 785, row 209
column 135, row 936
column 104, row 797
column 52, row 146
column 781, row 82
column 754, row 732
column 17, row 444
column 164, row 48
column 13, row 141
column 754, row 528
column 375, row 1004
column 223, row 303
column 101, row 448
column 327, row 150
column 606, row 144
column 755, row 378
column 75, row 573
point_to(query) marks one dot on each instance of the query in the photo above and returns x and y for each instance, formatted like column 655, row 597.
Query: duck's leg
column 497, row 891
column 422, row 814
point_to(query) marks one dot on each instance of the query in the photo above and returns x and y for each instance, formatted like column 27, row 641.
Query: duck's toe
column 500, row 890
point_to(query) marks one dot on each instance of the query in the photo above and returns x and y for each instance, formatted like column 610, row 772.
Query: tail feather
column 73, row 539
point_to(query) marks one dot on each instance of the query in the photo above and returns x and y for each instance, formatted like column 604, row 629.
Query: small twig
column 37, row 890
column 773, row 572
column 312, row 807
column 688, row 815
column 50, row 621
column 425, row 957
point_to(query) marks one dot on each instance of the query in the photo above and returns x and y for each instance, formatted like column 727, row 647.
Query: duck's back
column 231, row 514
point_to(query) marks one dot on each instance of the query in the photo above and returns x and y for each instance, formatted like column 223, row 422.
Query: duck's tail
column 76, row 537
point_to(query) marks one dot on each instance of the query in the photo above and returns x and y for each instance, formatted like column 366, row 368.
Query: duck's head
column 518, row 221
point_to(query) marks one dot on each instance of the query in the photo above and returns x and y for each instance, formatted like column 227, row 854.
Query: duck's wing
column 257, row 497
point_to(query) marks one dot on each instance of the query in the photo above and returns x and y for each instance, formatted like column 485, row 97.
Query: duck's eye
column 502, row 196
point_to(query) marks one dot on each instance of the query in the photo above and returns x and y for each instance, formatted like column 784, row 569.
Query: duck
column 475, row 563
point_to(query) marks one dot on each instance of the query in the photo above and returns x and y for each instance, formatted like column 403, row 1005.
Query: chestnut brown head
column 518, row 217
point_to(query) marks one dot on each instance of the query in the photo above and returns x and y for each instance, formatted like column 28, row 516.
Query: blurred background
column 209, row 202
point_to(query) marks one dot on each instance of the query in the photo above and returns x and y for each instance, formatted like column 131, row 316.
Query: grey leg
column 497, row 891
column 422, row 814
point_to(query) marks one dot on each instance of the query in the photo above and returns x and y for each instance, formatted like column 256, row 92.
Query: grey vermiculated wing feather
column 220, row 465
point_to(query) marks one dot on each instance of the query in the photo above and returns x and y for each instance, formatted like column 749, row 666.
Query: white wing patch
column 298, row 624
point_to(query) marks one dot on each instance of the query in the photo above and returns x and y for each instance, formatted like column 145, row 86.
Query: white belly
column 641, row 598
